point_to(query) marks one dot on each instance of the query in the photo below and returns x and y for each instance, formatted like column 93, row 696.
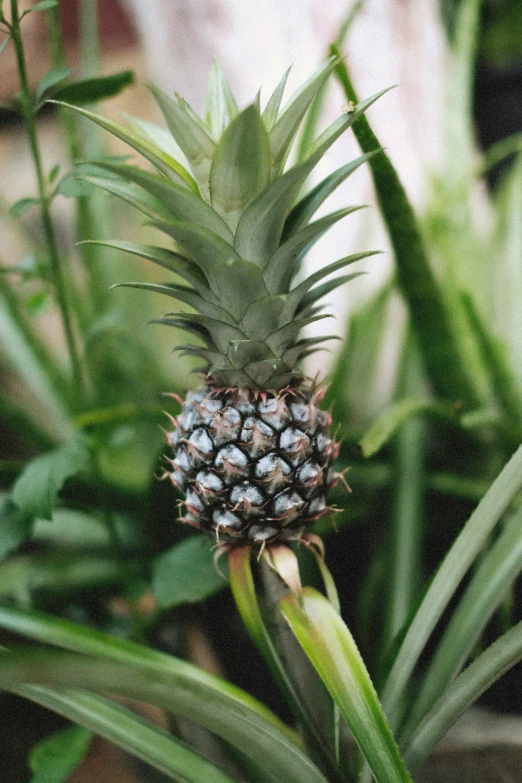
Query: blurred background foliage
column 427, row 398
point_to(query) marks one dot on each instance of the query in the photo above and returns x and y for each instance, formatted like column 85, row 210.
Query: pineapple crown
column 221, row 192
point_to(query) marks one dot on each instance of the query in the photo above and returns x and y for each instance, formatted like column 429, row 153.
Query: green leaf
column 182, row 203
column 387, row 424
column 130, row 732
column 50, row 80
column 15, row 526
column 296, row 294
column 159, row 136
column 302, row 348
column 221, row 333
column 509, row 272
column 72, row 185
column 206, row 248
column 504, row 383
column 167, row 259
column 186, row 573
column 245, row 596
column 273, row 105
column 499, row 568
column 191, row 136
column 43, row 5
column 4, row 43
column 331, row 649
column 165, row 163
column 490, row 665
column 55, row 757
column 311, row 297
column 220, row 103
column 285, row 128
column 240, row 166
column 309, row 204
column 57, row 574
column 260, row 228
column 282, row 266
column 264, row 316
column 125, row 668
column 54, row 173
column 183, row 294
column 237, row 284
column 36, row 490
column 446, row 367
column 281, row 339
column 448, row 577
column 22, row 206
column 93, row 90
column 37, row 302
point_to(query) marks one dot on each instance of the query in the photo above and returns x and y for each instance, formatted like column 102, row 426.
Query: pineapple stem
column 56, row 265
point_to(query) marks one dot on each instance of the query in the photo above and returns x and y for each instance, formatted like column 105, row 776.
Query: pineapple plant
column 251, row 451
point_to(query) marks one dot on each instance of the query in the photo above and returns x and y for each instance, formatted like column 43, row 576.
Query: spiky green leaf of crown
column 221, row 192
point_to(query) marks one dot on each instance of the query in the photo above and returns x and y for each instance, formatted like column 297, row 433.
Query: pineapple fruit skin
column 254, row 467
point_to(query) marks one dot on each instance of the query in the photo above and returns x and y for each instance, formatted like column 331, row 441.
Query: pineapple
column 251, row 451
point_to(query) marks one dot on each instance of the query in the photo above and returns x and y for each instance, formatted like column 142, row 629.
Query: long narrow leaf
column 191, row 135
column 182, row 202
column 451, row 572
column 501, row 656
column 142, row 673
column 331, row 649
column 129, row 731
column 309, row 204
column 446, row 367
column 165, row 163
column 167, row 259
column 498, row 570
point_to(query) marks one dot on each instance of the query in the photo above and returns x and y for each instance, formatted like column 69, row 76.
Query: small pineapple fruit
column 252, row 452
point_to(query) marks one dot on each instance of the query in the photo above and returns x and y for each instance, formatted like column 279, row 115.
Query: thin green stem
column 56, row 265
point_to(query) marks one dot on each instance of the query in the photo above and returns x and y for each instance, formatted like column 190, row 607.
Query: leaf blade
column 331, row 649
column 186, row 573
column 36, row 489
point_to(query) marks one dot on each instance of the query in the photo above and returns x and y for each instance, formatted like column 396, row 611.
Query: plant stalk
column 56, row 265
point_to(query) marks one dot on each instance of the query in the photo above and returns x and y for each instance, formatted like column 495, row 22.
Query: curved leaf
column 128, row 192
column 183, row 203
column 501, row 656
column 167, row 259
column 497, row 571
column 183, row 294
column 446, row 366
column 127, row 730
column 449, row 575
column 36, row 489
column 281, row 267
column 330, row 647
column 177, row 687
column 303, row 211
column 165, row 163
